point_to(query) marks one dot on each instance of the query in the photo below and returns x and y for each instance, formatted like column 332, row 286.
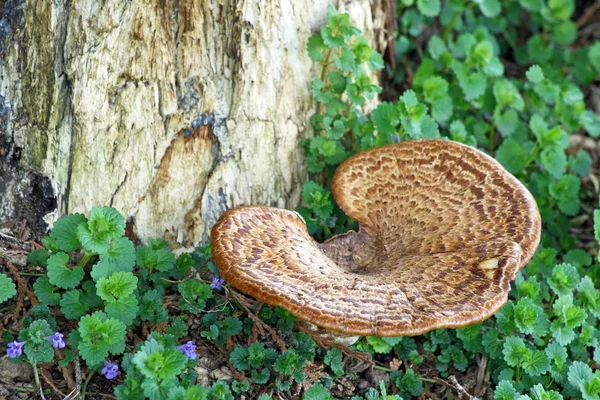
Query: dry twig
column 50, row 381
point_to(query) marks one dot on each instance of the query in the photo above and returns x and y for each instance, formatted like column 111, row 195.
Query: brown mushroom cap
column 443, row 230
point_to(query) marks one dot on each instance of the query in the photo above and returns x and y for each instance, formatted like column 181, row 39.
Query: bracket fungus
column 443, row 230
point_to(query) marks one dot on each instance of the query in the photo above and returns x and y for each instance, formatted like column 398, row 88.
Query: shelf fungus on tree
column 443, row 230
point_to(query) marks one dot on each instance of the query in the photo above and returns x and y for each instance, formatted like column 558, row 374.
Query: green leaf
column 178, row 327
column 581, row 164
column 194, row 295
column 286, row 363
column 116, row 286
column 556, row 353
column 436, row 47
column 345, row 62
column 554, row 161
column 64, row 232
column 375, row 61
column 50, row 244
column 261, row 377
column 330, row 39
column 594, row 55
column 151, row 304
column 532, row 5
column 429, row 8
column 591, row 122
column 492, row 344
column 37, row 258
column 7, row 288
column 121, row 252
column 507, row 122
column 338, row 82
column 317, row 392
column 564, row 33
column 379, row 345
column 435, row 88
column 124, row 309
column 45, row 291
column 597, row 225
column 442, row 109
column 564, row 279
column 318, row 199
column 579, row 375
column 315, row 47
column 230, row 326
column 62, row 276
column 507, row 95
column 104, row 268
column 505, row 391
column 530, row 318
column 333, row 358
column 239, row 358
column 386, row 118
column 473, row 85
column 538, row 49
column 98, row 328
column 318, row 94
column 535, row 74
column 39, row 352
column 104, row 224
column 512, row 156
column 536, row 363
column 356, row 99
column 489, row 8
column 566, row 192
column 305, row 345
column 515, row 352
column 71, row 305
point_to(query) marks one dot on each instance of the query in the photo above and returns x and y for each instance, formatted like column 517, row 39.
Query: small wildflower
column 57, row 340
column 15, row 349
column 189, row 349
column 110, row 370
column 217, row 283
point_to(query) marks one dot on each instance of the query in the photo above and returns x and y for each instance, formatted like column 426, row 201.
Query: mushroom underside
column 438, row 244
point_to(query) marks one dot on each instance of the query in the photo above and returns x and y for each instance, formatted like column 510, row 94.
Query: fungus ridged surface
column 443, row 230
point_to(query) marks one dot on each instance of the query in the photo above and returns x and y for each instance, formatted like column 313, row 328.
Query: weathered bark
column 170, row 111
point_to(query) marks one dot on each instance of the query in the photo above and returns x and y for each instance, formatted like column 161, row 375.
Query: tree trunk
column 170, row 111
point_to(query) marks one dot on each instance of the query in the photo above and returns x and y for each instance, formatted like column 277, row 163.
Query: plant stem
column 36, row 376
column 532, row 155
column 86, row 258
column 551, row 301
column 491, row 138
column 31, row 274
column 323, row 73
column 375, row 366
column 325, row 64
column 450, row 25
column 22, row 389
column 84, row 387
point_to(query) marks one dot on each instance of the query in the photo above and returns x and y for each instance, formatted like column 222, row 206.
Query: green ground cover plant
column 124, row 310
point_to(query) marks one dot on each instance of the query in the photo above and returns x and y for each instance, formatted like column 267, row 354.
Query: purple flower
column 217, row 283
column 57, row 340
column 189, row 349
column 15, row 349
column 110, row 370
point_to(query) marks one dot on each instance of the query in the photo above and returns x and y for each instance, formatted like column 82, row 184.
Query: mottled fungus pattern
column 443, row 230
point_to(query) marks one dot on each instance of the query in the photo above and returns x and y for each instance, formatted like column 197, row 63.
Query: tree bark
column 170, row 111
